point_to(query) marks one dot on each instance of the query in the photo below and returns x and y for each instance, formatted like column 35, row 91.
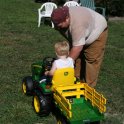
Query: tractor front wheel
column 27, row 85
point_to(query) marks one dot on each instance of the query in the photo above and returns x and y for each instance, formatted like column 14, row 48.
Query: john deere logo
column 65, row 73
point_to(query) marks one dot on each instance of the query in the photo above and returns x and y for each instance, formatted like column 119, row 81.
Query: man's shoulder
column 79, row 15
column 78, row 9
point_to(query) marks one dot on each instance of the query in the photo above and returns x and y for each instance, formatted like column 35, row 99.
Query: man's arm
column 75, row 52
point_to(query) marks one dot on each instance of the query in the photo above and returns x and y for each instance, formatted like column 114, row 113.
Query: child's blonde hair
column 62, row 48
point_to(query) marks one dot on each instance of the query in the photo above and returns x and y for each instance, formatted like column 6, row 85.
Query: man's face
column 64, row 24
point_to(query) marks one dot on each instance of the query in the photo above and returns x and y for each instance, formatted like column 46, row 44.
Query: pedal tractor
column 69, row 100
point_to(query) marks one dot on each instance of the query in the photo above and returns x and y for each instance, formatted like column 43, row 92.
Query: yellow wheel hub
column 24, row 87
column 36, row 104
column 59, row 122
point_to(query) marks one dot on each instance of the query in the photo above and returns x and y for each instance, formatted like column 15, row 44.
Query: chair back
column 71, row 3
column 48, row 7
column 88, row 3
column 63, row 77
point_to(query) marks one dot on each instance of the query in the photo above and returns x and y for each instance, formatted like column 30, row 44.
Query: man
column 86, row 30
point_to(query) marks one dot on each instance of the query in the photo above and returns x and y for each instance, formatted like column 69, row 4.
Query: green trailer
column 79, row 103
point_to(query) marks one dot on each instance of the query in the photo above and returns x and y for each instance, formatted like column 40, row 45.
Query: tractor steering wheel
column 47, row 61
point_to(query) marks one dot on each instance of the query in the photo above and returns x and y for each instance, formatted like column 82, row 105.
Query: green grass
column 112, row 74
column 22, row 43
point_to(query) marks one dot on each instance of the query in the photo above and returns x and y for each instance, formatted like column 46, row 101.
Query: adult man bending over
column 86, row 30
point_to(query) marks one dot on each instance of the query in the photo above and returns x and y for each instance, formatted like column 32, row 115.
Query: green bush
column 116, row 7
column 113, row 7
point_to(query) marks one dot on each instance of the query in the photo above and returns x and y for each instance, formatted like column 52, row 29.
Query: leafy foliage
column 113, row 7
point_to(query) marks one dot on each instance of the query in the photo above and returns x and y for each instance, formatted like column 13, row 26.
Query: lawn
column 22, row 43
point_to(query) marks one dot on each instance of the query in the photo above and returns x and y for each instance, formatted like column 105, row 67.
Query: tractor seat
column 63, row 77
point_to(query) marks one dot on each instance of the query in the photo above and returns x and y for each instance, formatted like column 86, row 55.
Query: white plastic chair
column 45, row 11
column 71, row 3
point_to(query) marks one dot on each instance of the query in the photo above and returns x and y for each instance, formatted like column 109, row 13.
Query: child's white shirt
column 64, row 63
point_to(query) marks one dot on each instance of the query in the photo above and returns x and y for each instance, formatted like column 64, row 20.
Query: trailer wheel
column 41, row 105
column 27, row 85
column 96, row 122
column 61, row 120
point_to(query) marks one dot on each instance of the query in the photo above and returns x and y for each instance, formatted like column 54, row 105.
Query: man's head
column 60, row 17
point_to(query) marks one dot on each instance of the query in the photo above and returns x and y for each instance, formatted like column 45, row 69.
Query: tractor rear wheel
column 41, row 104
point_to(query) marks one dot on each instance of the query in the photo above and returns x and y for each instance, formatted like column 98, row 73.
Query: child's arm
column 51, row 72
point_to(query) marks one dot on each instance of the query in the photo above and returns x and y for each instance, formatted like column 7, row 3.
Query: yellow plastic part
column 96, row 99
column 24, row 87
column 63, row 77
column 63, row 103
column 63, row 87
column 77, row 90
column 38, row 66
column 36, row 104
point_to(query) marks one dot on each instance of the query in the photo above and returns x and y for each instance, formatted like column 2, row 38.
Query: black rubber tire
column 96, row 122
column 41, row 104
column 27, row 85
column 61, row 120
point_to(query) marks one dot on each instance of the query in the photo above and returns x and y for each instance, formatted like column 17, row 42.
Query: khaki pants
column 88, row 65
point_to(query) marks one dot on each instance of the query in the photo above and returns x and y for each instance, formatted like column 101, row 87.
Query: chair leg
column 52, row 24
column 39, row 20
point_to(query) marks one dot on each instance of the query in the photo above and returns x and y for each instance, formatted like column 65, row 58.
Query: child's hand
column 46, row 73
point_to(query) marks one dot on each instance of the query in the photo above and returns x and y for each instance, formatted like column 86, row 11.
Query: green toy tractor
column 69, row 100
